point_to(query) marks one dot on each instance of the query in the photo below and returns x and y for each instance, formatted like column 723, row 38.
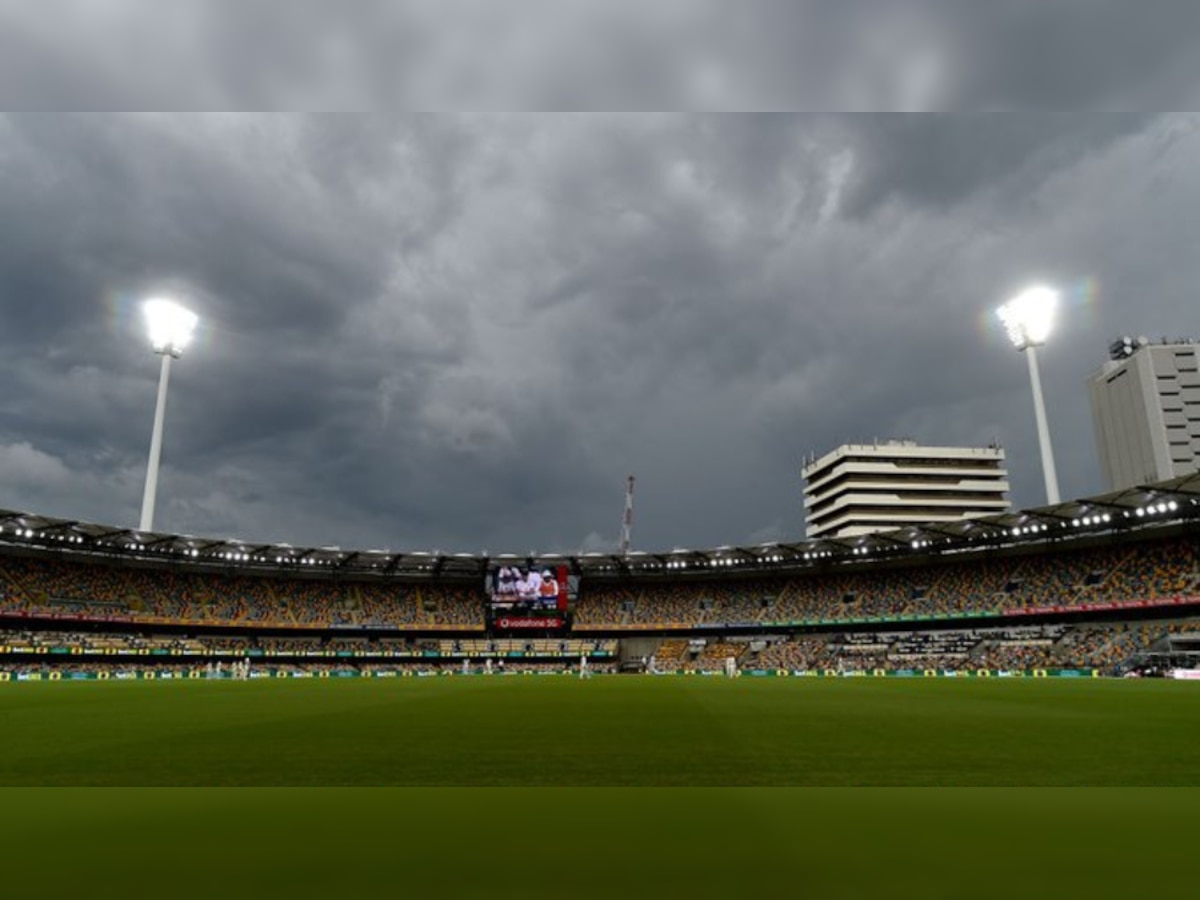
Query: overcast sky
column 462, row 331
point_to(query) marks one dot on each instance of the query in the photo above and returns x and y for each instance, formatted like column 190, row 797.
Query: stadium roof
column 1131, row 508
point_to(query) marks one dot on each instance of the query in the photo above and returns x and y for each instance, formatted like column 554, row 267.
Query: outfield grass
column 600, row 844
column 636, row 731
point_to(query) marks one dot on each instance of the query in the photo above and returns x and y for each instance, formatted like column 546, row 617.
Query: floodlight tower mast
column 171, row 327
column 1028, row 319
column 627, row 521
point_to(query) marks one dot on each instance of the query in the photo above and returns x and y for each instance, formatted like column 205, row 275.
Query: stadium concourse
column 1107, row 586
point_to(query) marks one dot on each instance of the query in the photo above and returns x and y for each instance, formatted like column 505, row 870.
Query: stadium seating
column 670, row 655
column 1107, row 647
column 986, row 585
column 870, row 618
column 983, row 585
column 712, row 657
column 146, row 595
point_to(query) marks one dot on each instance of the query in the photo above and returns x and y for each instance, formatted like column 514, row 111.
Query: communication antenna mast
column 627, row 521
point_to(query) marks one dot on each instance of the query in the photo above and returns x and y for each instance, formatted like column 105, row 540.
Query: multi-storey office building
column 1146, row 412
column 863, row 488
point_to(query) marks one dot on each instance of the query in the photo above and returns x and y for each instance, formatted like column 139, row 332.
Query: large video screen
column 527, row 588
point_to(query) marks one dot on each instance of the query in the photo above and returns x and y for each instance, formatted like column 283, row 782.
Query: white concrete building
column 1146, row 412
column 862, row 488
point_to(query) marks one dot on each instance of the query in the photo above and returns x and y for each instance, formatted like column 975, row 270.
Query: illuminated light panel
column 170, row 325
column 1029, row 317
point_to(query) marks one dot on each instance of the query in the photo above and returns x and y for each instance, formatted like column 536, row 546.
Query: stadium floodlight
column 171, row 327
column 1028, row 319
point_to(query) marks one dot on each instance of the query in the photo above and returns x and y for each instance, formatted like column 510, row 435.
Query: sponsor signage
column 1102, row 607
column 519, row 622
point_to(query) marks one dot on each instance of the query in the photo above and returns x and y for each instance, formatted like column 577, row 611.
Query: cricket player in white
column 531, row 587
column 584, row 672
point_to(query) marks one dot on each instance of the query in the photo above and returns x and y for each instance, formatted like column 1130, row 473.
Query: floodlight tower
column 1028, row 318
column 627, row 519
column 171, row 327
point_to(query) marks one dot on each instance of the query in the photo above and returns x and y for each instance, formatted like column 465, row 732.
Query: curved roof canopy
column 1133, row 508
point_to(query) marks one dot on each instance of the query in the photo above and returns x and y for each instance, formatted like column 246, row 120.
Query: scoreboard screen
column 529, row 589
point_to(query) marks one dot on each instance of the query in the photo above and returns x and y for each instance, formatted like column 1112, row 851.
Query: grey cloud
column 846, row 55
column 463, row 332
column 942, row 160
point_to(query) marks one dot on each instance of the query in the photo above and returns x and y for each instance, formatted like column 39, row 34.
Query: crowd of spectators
column 986, row 584
column 972, row 584
column 26, row 640
column 53, row 587
column 712, row 658
column 801, row 653
column 671, row 654
column 1110, row 648
column 1107, row 647
column 572, row 647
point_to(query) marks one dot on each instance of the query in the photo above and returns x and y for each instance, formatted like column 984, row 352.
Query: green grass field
column 635, row 731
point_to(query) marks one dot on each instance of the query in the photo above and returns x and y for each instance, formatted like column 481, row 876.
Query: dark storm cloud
column 839, row 55
column 462, row 332
column 941, row 160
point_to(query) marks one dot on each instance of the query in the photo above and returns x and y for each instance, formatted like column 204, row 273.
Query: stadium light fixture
column 1028, row 319
column 170, row 327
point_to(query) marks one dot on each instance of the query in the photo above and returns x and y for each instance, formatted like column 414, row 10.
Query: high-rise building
column 1146, row 411
column 861, row 488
